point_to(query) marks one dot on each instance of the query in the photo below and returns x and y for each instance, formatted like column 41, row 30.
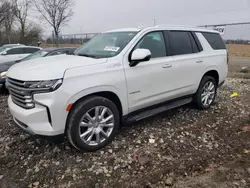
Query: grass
column 238, row 50
column 245, row 70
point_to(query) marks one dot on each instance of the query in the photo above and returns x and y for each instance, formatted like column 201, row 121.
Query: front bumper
column 53, row 138
column 48, row 118
column 34, row 121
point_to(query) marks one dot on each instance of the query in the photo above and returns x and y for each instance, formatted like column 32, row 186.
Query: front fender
column 97, row 89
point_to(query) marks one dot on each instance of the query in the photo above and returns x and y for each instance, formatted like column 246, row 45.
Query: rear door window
column 181, row 43
column 30, row 50
column 14, row 51
column 215, row 40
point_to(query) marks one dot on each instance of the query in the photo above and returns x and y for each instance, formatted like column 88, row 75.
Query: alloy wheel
column 208, row 93
column 96, row 125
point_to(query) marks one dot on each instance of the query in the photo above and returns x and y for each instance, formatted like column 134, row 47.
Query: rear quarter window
column 215, row 41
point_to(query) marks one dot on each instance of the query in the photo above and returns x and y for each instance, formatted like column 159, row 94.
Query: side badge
column 115, row 65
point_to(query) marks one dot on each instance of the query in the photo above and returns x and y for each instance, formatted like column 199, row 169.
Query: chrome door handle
column 166, row 66
column 199, row 61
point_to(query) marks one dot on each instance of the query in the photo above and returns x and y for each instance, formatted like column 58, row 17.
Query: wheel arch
column 106, row 93
column 213, row 73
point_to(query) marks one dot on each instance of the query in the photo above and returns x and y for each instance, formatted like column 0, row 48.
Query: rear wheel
column 93, row 123
column 206, row 93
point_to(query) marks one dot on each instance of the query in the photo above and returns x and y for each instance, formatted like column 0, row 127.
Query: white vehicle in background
column 9, row 46
column 119, row 76
column 10, row 53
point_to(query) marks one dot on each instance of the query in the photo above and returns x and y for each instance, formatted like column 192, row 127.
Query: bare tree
column 7, row 18
column 3, row 9
column 13, row 12
column 55, row 12
column 21, row 13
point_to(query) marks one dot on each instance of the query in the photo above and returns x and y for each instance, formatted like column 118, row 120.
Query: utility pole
column 154, row 21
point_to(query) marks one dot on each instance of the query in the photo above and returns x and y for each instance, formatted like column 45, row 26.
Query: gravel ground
column 183, row 147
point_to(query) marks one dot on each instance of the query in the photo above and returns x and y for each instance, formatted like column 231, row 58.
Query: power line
column 212, row 12
column 227, row 24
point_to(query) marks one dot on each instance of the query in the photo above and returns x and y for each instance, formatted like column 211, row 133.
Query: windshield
column 106, row 45
column 40, row 53
column 3, row 48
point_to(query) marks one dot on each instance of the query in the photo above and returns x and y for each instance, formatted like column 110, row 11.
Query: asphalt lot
column 240, row 61
column 184, row 147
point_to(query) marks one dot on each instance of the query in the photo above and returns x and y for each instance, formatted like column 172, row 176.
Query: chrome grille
column 20, row 95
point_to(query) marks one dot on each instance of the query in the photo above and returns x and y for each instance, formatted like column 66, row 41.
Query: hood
column 49, row 68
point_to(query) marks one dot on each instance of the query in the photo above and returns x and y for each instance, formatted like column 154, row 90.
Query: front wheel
column 3, row 89
column 206, row 93
column 93, row 123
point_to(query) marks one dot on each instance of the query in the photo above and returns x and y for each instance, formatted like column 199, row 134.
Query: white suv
column 119, row 76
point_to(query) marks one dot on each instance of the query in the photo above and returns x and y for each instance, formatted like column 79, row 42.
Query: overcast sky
column 101, row 15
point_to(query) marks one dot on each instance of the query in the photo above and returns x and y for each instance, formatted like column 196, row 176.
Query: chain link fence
column 71, row 40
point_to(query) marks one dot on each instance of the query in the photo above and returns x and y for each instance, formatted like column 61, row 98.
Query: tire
column 200, row 94
column 84, row 112
column 3, row 89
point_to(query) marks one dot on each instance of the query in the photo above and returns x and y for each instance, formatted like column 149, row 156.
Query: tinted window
column 15, row 51
column 155, row 43
column 215, row 40
column 58, row 53
column 180, row 42
column 71, row 51
column 37, row 54
column 194, row 45
column 30, row 50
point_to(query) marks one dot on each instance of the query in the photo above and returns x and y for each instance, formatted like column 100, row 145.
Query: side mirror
column 4, row 53
column 139, row 55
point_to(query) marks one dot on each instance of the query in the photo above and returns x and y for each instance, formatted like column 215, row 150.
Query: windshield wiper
column 87, row 55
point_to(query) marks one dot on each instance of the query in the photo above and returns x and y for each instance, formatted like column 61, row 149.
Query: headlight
column 46, row 86
column 3, row 74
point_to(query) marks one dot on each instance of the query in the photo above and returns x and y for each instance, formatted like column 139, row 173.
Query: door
column 187, row 61
column 14, row 54
column 149, row 83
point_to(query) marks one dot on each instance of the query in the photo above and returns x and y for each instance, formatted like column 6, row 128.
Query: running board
column 153, row 111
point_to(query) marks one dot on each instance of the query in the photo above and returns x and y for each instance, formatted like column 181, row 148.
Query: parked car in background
column 49, row 52
column 41, row 53
column 16, row 53
column 6, row 46
column 119, row 76
column 12, row 45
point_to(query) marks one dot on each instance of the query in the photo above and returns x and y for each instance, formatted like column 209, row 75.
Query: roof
column 124, row 30
column 54, row 49
column 164, row 27
column 12, row 45
column 21, row 46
